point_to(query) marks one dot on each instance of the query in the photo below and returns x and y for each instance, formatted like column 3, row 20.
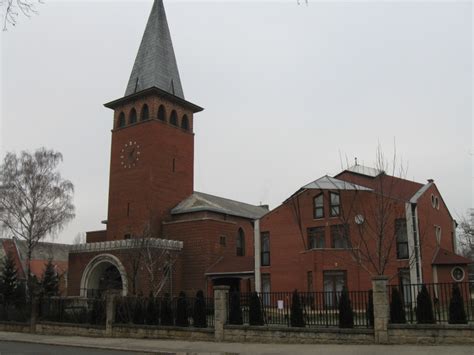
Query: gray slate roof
column 329, row 183
column 155, row 64
column 364, row 170
column 199, row 201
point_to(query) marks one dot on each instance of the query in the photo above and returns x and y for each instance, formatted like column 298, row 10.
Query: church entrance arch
column 104, row 273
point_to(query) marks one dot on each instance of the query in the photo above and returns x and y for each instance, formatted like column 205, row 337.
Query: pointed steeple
column 155, row 64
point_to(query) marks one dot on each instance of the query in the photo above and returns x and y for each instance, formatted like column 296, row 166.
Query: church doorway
column 104, row 273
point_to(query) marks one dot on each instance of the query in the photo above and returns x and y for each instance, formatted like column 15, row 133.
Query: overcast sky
column 287, row 91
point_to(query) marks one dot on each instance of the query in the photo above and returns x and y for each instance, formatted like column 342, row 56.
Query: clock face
column 129, row 155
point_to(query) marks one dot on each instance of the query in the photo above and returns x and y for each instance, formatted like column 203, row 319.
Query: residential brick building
column 363, row 222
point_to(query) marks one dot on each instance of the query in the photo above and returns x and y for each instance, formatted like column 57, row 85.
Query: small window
column 174, row 118
column 185, row 123
column 127, row 236
column 340, row 236
column 437, row 202
column 265, row 248
column 240, row 242
column 316, row 238
column 145, row 114
column 319, row 206
column 121, row 120
column 457, row 274
column 133, row 116
column 222, row 240
column 162, row 113
column 335, row 206
column 402, row 238
column 438, row 234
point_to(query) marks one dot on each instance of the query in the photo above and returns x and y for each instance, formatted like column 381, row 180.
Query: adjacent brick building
column 363, row 222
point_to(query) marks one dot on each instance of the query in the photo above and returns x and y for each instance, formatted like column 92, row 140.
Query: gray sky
column 286, row 89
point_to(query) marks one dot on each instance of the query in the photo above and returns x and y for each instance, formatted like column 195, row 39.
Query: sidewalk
column 183, row 347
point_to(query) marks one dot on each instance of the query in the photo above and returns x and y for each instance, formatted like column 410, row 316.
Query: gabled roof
column 446, row 257
column 329, row 183
column 420, row 192
column 199, row 201
column 155, row 64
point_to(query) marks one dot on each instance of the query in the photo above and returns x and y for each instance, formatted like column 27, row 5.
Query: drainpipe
column 256, row 239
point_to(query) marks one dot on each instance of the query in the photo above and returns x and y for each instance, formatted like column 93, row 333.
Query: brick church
column 193, row 240
column 163, row 236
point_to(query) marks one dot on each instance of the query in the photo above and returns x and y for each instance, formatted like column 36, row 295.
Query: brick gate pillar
column 221, row 309
column 381, row 309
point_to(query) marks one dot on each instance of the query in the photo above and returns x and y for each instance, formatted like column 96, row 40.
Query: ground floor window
column 334, row 282
column 404, row 281
column 266, row 289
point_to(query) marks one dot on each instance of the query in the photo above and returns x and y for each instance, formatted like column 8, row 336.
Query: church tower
column 152, row 155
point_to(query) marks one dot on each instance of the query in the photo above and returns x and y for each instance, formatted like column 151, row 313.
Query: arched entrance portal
column 104, row 273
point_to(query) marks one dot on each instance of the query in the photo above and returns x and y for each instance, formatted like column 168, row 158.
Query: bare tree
column 80, row 238
column 35, row 200
column 11, row 9
column 466, row 235
column 149, row 259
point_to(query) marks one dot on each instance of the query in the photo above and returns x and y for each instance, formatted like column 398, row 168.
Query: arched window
column 185, row 122
column 240, row 242
column 121, row 120
column 133, row 116
column 145, row 114
column 162, row 113
column 174, row 118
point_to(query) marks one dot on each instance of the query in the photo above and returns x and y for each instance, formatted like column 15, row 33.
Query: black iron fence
column 165, row 311
column 17, row 310
column 319, row 309
column 72, row 310
column 446, row 302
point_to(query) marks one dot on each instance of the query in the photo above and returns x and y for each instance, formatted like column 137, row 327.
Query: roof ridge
column 228, row 199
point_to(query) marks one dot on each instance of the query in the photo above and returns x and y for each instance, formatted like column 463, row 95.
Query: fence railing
column 72, row 310
column 18, row 310
column 319, row 309
column 165, row 311
column 441, row 297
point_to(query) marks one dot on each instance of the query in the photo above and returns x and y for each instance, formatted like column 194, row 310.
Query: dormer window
column 335, row 204
column 319, row 206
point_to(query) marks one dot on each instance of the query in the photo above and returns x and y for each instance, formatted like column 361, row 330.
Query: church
column 162, row 236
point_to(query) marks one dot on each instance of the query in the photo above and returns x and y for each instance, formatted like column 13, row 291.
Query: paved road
column 24, row 345
column 17, row 348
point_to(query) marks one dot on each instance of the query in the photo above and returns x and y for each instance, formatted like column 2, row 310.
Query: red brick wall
column 202, row 249
column 290, row 260
column 147, row 191
column 79, row 261
column 96, row 236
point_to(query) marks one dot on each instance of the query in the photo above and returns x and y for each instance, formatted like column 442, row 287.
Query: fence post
column 381, row 309
column 34, row 314
column 221, row 300
column 109, row 313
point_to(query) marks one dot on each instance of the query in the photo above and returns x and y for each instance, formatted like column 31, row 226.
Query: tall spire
column 155, row 64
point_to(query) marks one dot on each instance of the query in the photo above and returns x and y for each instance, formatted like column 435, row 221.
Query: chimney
column 430, row 181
